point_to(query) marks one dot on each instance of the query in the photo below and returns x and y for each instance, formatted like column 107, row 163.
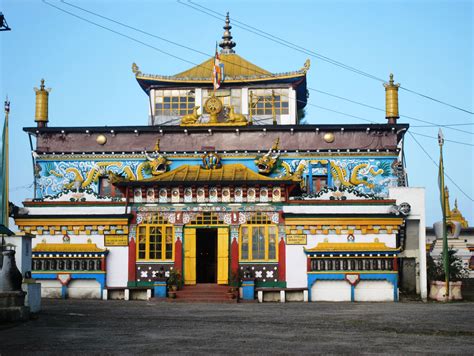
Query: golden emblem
column 213, row 107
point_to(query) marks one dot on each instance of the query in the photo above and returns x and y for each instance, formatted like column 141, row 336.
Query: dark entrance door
column 206, row 255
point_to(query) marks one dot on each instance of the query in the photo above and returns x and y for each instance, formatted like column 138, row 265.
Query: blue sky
column 428, row 45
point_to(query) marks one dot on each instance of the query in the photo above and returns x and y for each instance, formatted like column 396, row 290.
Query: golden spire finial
column 227, row 44
column 391, row 100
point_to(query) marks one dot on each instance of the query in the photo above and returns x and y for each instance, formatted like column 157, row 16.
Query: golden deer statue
column 192, row 118
column 233, row 117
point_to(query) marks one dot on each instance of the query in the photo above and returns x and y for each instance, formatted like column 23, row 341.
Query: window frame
column 250, row 227
column 163, row 228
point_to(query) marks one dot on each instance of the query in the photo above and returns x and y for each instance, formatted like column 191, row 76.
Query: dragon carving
column 266, row 163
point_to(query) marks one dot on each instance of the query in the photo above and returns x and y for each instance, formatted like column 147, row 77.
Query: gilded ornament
column 306, row 66
column 266, row 163
column 192, row 118
column 158, row 164
column 328, row 137
column 101, row 140
column 213, row 107
column 233, row 117
column 211, row 160
column 135, row 69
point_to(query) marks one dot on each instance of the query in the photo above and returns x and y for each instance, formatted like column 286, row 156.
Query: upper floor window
column 174, row 102
column 268, row 101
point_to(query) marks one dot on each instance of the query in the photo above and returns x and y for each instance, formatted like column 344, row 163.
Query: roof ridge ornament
column 227, row 44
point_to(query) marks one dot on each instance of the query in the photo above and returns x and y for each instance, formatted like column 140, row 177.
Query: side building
column 225, row 185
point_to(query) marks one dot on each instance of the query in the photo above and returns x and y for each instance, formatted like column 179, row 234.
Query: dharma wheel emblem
column 213, row 106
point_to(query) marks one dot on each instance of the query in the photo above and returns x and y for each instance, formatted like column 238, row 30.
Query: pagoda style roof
column 375, row 246
column 193, row 174
column 67, row 247
column 237, row 70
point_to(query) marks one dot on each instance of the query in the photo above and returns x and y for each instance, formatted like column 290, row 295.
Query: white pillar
column 245, row 101
column 260, row 296
column 292, row 106
column 126, row 294
column 198, row 100
column 104, row 294
column 282, row 296
column 422, row 257
column 305, row 295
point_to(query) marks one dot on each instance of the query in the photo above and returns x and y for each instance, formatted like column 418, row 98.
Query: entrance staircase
column 203, row 293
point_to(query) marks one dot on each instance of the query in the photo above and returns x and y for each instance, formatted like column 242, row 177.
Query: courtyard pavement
column 131, row 327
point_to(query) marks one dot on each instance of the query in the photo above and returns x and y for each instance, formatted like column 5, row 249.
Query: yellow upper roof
column 66, row 247
column 351, row 247
column 234, row 66
column 195, row 173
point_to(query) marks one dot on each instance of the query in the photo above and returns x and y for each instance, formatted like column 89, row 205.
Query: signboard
column 294, row 239
column 116, row 240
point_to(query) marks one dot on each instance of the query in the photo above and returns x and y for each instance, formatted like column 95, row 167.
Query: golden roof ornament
column 455, row 214
column 135, row 69
column 391, row 100
column 227, row 44
column 41, row 110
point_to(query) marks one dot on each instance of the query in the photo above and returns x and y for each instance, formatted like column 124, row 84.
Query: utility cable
column 436, row 164
column 296, row 47
column 236, row 64
column 190, row 62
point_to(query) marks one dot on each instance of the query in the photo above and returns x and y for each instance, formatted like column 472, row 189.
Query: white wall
column 331, row 291
column 417, row 233
column 84, row 289
column 50, row 288
column 23, row 252
column 373, row 291
column 117, row 266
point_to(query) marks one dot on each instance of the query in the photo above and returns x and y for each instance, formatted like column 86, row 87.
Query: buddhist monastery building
column 224, row 187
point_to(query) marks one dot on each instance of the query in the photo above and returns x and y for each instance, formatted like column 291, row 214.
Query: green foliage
column 435, row 268
column 175, row 278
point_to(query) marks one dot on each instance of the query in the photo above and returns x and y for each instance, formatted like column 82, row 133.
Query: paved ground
column 152, row 327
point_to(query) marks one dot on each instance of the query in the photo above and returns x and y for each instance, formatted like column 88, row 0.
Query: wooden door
column 222, row 255
column 189, row 256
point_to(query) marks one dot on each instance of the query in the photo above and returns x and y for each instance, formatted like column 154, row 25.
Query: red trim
column 395, row 263
column 343, row 202
column 104, row 266
column 282, row 260
column 308, row 264
column 178, row 255
column 76, row 203
column 132, row 258
column 234, row 256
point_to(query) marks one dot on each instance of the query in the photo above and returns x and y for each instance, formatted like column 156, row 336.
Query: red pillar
column 282, row 260
column 234, row 256
column 104, row 267
column 395, row 263
column 308, row 264
column 178, row 255
column 132, row 258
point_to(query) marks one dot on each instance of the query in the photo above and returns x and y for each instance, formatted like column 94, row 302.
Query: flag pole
column 4, row 172
column 443, row 210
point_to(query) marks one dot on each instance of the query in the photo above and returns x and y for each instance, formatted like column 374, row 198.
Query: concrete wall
column 415, row 233
column 50, row 288
column 84, row 289
column 117, row 266
column 23, row 252
column 331, row 291
column 373, row 291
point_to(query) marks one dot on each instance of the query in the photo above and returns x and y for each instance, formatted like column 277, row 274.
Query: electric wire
column 164, row 52
column 296, row 47
column 236, row 64
column 190, row 62
column 436, row 164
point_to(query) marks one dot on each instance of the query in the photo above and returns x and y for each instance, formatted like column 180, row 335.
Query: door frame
column 189, row 253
